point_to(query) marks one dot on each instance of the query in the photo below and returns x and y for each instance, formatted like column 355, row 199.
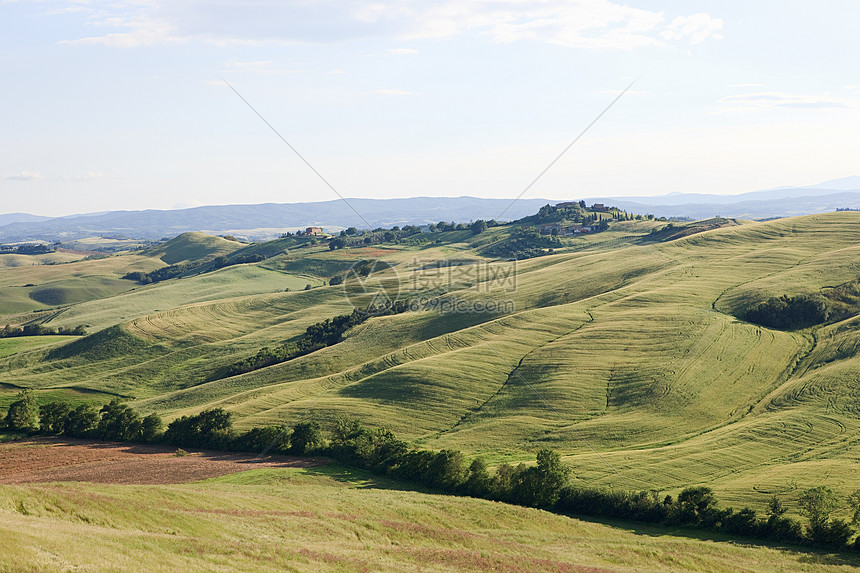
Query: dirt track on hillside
column 39, row 460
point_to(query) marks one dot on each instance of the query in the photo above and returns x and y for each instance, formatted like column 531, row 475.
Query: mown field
column 624, row 354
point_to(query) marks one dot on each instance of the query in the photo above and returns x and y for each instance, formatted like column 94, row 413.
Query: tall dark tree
column 23, row 413
column 53, row 417
column 82, row 421
column 118, row 422
column 478, row 226
column 306, row 437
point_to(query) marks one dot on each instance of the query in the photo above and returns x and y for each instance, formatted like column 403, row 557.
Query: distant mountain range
column 268, row 219
column 779, row 202
column 265, row 220
column 20, row 218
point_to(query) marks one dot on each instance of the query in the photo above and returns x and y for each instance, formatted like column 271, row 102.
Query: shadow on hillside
column 362, row 479
column 210, row 455
column 807, row 555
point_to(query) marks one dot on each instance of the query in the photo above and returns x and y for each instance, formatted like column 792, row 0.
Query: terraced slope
column 628, row 358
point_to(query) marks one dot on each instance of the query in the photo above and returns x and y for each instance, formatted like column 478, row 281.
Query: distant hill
column 20, row 218
column 756, row 205
column 189, row 247
column 267, row 219
column 769, row 203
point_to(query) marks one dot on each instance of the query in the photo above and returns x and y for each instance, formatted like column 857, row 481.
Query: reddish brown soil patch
column 68, row 459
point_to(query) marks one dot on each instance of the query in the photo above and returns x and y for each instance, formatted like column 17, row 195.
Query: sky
column 124, row 104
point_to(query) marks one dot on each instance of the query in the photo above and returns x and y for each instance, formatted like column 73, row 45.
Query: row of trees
column 524, row 243
column 158, row 275
column 544, row 485
column 115, row 421
column 30, row 249
column 352, row 237
column 173, row 271
column 317, row 336
column 10, row 331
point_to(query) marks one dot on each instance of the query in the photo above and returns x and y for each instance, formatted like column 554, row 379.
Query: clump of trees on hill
column 10, row 331
column 524, row 243
column 352, row 237
column 789, row 313
column 29, row 249
column 174, row 271
column 544, row 485
column 159, row 275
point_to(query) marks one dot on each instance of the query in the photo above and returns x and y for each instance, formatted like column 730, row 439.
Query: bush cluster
column 10, row 331
column 159, row 275
column 789, row 313
column 524, row 243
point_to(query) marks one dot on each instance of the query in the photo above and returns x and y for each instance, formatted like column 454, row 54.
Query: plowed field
column 63, row 459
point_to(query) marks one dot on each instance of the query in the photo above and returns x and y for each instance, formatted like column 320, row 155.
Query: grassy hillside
column 331, row 519
column 622, row 350
column 191, row 247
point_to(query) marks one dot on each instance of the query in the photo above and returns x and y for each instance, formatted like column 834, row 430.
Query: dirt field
column 66, row 459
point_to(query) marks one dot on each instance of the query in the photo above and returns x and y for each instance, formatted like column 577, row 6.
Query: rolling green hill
column 191, row 247
column 626, row 351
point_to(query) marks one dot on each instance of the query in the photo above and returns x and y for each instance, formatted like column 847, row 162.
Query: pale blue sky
column 120, row 104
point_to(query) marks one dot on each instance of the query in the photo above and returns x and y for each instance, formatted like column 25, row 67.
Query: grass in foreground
column 335, row 519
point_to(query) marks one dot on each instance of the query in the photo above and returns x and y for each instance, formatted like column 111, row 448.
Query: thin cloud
column 779, row 100
column 35, row 175
column 584, row 23
column 86, row 176
column 23, row 176
column 141, row 31
column 694, row 29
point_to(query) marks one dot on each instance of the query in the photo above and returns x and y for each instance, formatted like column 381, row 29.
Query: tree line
column 544, row 485
column 173, row 271
column 524, row 243
column 10, row 331
column 316, row 337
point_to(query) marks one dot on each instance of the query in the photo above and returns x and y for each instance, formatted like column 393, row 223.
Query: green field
column 334, row 519
column 624, row 353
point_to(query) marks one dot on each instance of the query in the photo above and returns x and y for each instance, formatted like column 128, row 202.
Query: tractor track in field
column 512, row 373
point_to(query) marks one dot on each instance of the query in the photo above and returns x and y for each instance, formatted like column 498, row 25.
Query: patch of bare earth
column 39, row 460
